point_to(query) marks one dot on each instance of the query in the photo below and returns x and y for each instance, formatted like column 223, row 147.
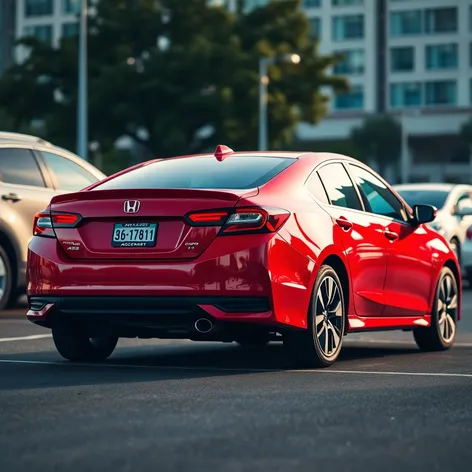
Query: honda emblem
column 132, row 206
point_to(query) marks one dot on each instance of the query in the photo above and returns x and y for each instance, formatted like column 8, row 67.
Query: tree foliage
column 466, row 131
column 175, row 76
column 379, row 139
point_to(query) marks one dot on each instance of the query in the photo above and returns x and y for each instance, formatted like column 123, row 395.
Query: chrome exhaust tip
column 203, row 325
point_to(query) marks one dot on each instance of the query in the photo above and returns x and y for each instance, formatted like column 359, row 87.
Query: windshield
column 436, row 198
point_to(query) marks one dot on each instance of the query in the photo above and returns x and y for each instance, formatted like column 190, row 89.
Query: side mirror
column 424, row 213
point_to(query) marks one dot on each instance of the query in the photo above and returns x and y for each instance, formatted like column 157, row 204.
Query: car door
column 361, row 236
column 409, row 257
column 23, row 192
column 66, row 175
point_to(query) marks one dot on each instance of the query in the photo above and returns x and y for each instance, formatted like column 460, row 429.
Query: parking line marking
column 25, row 338
column 350, row 342
column 242, row 369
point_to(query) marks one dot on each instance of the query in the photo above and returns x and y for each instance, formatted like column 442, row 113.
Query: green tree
column 379, row 139
column 164, row 93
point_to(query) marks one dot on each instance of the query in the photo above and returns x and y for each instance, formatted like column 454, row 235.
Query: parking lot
column 177, row 405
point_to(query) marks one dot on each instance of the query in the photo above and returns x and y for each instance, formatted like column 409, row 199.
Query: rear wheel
column 320, row 345
column 75, row 345
column 7, row 288
column 440, row 335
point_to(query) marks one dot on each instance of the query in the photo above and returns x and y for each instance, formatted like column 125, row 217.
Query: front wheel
column 75, row 345
column 320, row 345
column 440, row 335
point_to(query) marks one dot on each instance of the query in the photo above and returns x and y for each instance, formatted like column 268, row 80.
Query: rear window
column 235, row 172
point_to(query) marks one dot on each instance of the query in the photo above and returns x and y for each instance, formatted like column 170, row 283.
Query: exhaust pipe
column 203, row 325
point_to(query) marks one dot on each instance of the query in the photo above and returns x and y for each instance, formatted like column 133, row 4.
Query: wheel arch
column 450, row 264
column 334, row 261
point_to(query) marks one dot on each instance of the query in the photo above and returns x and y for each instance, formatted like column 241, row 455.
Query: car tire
column 7, row 288
column 253, row 339
column 439, row 336
column 321, row 343
column 75, row 345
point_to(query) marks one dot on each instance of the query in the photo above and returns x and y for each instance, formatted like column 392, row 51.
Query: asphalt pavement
column 180, row 406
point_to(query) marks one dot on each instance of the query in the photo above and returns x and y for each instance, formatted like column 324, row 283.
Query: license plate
column 134, row 235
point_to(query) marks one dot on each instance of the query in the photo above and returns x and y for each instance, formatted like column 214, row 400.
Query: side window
column 19, row 167
column 315, row 187
column 381, row 200
column 339, row 187
column 67, row 174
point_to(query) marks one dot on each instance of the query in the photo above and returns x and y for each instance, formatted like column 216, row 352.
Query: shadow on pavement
column 132, row 365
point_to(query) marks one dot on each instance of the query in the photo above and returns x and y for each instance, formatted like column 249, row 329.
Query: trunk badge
column 132, row 206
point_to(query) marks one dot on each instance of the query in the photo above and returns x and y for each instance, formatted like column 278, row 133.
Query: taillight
column 241, row 220
column 468, row 234
column 45, row 222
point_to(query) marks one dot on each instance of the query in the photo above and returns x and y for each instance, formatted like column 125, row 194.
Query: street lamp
column 82, row 113
column 263, row 83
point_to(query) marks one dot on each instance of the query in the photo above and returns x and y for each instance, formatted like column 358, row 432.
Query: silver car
column 454, row 204
column 32, row 171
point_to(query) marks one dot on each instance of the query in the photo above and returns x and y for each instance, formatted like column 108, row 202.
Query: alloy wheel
column 329, row 316
column 447, row 309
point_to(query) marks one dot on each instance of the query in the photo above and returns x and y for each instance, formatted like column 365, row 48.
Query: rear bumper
column 260, row 279
column 143, row 316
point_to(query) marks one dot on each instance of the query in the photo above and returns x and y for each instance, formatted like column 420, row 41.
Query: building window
column 441, row 56
column 405, row 22
column 441, row 20
column 352, row 100
column 38, row 7
column 71, row 6
column 346, row 3
column 311, row 3
column 348, row 27
column 315, row 27
column 40, row 32
column 70, row 29
column 402, row 59
column 406, row 94
column 353, row 62
column 441, row 92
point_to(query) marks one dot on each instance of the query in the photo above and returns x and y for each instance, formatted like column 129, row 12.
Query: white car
column 454, row 204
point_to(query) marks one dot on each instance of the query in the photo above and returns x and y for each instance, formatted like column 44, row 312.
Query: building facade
column 410, row 58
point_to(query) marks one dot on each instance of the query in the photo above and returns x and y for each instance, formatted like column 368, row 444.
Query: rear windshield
column 436, row 198
column 235, row 172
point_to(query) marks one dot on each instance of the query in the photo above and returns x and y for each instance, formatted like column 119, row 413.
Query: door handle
column 11, row 197
column 346, row 225
column 390, row 235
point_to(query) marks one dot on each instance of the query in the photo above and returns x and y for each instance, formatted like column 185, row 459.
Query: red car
column 240, row 247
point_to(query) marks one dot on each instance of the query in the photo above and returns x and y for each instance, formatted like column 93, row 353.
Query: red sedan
column 240, row 247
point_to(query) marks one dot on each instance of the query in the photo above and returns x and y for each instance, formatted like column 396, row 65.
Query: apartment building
column 411, row 58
